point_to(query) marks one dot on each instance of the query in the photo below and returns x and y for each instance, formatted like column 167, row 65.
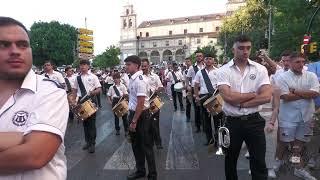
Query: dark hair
column 116, row 75
column 82, row 62
column 7, row 21
column 242, row 38
column 174, row 64
column 67, row 68
column 188, row 58
column 48, row 61
column 133, row 59
column 198, row 51
column 296, row 55
column 145, row 60
column 286, row 53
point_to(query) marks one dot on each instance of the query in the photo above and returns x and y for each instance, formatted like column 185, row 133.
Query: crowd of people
column 35, row 108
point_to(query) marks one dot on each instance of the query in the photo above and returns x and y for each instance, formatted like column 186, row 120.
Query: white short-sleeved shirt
column 56, row 76
column 121, row 88
column 154, row 82
column 302, row 109
column 109, row 80
column 192, row 74
column 38, row 105
column 138, row 86
column 90, row 82
column 72, row 80
column 212, row 74
column 125, row 79
column 255, row 75
column 171, row 79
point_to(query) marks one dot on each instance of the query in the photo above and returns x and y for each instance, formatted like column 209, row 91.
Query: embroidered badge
column 20, row 118
column 252, row 76
column 140, row 77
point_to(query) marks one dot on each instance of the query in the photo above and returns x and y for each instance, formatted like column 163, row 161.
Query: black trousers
column 197, row 112
column 90, row 130
column 250, row 129
column 174, row 97
column 98, row 100
column 142, row 143
column 156, row 128
column 188, row 108
column 116, row 119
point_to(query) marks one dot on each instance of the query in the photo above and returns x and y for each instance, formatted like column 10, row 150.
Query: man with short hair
column 140, row 123
column 52, row 74
column 32, row 108
column 175, row 77
column 244, row 86
column 298, row 88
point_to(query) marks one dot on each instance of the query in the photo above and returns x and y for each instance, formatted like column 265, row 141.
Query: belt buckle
column 244, row 118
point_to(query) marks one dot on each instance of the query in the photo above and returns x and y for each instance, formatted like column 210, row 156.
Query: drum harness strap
column 82, row 90
column 174, row 77
column 68, row 85
column 207, row 81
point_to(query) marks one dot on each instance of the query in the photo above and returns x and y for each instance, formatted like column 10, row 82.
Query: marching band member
column 155, row 86
column 108, row 81
column 244, row 85
column 298, row 89
column 186, row 84
column 51, row 74
column 87, row 84
column 174, row 77
column 191, row 75
column 206, row 81
column 115, row 93
column 140, row 124
column 70, row 80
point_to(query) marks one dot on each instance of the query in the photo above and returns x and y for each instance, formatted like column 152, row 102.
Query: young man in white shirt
column 32, row 108
column 174, row 77
column 140, row 123
column 92, row 87
column 115, row 93
column 298, row 89
column 244, row 86
column 53, row 75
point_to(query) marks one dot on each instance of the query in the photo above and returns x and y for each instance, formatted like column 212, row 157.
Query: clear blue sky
column 104, row 15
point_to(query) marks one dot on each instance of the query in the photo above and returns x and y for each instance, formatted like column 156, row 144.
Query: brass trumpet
column 223, row 140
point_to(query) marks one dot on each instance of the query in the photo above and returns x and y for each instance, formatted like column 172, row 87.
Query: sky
column 103, row 16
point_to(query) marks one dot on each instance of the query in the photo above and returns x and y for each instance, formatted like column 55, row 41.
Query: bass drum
column 178, row 87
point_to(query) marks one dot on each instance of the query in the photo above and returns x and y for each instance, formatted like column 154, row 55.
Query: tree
column 53, row 41
column 209, row 50
column 109, row 58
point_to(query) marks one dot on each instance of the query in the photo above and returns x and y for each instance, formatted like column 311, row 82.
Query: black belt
column 245, row 117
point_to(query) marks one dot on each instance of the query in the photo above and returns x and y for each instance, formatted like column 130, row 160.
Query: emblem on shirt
column 140, row 77
column 252, row 76
column 20, row 118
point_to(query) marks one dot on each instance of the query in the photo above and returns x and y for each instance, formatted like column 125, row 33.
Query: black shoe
column 136, row 175
column 118, row 133
column 85, row 147
column 159, row 146
column 91, row 149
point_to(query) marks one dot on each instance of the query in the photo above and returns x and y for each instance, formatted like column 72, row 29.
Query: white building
column 169, row 39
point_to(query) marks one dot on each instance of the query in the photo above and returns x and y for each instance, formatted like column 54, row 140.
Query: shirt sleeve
column 314, row 83
column 124, row 89
column 223, row 77
column 61, row 79
column 110, row 91
column 283, row 86
column 264, row 78
column 159, row 83
column 142, row 88
column 197, row 77
column 189, row 74
column 50, row 113
column 96, row 82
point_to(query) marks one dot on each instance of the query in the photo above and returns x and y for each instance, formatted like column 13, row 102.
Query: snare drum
column 178, row 87
column 214, row 104
column 155, row 105
column 121, row 108
column 85, row 110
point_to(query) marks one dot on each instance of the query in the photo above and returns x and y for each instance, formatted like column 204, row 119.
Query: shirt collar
column 30, row 81
column 231, row 63
column 135, row 75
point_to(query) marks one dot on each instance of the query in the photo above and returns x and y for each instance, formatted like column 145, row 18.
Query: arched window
column 127, row 11
column 130, row 23
column 124, row 24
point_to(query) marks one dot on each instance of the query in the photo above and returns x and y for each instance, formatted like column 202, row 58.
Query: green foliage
column 109, row 58
column 210, row 50
column 53, row 41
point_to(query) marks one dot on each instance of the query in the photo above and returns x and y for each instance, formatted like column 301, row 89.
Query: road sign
column 85, row 50
column 313, row 47
column 85, row 56
column 306, row 39
column 86, row 44
column 85, row 31
column 84, row 37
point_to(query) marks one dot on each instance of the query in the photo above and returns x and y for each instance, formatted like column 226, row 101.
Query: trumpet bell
column 220, row 151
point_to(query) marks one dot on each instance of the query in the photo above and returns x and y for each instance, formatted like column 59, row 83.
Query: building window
column 124, row 24
column 147, row 34
column 167, row 43
column 142, row 45
column 201, row 30
column 130, row 23
column 170, row 33
column 154, row 44
column 198, row 41
column 140, row 34
column 185, row 31
column 180, row 42
column 127, row 11
column 217, row 28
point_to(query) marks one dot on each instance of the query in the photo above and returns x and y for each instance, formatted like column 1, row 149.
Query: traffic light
column 313, row 47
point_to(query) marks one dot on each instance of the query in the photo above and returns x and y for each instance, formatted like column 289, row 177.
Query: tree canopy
column 109, row 58
column 53, row 41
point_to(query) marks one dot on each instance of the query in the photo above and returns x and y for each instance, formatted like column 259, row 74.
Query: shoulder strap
column 55, row 82
column 207, row 81
column 195, row 69
column 46, row 75
column 174, row 77
column 116, row 90
column 68, row 84
column 81, row 86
